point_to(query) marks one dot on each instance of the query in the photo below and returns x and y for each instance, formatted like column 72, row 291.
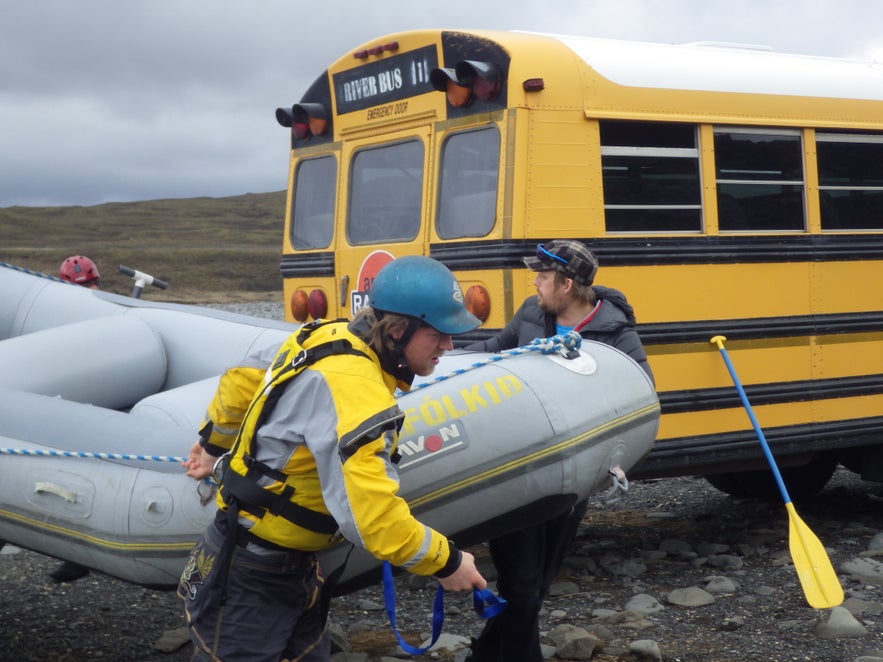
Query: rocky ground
column 633, row 579
column 677, row 571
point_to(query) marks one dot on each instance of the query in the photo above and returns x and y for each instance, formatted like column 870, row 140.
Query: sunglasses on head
column 544, row 254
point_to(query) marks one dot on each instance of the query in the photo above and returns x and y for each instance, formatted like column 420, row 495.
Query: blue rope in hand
column 485, row 603
column 389, row 601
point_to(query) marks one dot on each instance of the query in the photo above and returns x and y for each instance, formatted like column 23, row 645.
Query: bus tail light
column 283, row 116
column 305, row 306
column 317, row 304
column 482, row 77
column 305, row 119
column 468, row 79
column 300, row 306
column 445, row 80
column 478, row 302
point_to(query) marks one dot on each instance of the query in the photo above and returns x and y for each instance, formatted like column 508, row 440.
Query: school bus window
column 312, row 203
column 386, row 185
column 470, row 168
column 651, row 177
column 759, row 180
column 850, row 181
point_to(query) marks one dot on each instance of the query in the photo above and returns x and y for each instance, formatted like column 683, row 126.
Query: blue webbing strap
column 389, row 601
column 484, row 601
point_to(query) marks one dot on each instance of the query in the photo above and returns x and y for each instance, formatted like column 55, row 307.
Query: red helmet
column 79, row 269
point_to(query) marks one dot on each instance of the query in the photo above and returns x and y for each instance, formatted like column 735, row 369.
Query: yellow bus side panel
column 663, row 293
column 689, row 366
column 768, row 416
column 847, row 355
column 849, row 286
column 766, row 361
column 564, row 191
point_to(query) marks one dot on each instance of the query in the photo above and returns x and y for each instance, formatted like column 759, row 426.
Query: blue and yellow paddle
column 817, row 577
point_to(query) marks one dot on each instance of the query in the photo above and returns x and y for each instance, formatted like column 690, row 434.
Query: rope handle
column 486, row 603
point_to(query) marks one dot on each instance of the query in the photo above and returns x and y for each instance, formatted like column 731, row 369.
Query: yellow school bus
column 726, row 190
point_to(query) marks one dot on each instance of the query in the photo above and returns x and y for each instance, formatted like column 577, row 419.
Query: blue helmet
column 424, row 289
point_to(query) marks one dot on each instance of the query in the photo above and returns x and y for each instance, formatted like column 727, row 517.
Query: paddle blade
column 817, row 577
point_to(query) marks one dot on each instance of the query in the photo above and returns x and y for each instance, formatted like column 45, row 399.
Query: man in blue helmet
column 311, row 462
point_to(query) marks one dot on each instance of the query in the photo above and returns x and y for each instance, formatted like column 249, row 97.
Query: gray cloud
column 115, row 100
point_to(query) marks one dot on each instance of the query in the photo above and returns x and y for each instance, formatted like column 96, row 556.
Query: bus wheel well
column 801, row 481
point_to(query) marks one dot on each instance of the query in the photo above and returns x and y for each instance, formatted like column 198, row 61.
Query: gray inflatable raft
column 495, row 445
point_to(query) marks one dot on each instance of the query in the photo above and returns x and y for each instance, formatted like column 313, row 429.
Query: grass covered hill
column 207, row 249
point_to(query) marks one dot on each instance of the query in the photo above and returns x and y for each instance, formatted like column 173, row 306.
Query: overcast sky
column 119, row 100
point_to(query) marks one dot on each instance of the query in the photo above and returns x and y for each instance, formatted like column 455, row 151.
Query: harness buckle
column 299, row 358
column 220, row 467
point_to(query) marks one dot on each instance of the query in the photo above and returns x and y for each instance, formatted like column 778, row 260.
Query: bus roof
column 715, row 67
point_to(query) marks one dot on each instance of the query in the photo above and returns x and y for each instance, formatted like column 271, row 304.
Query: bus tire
column 802, row 481
column 728, row 484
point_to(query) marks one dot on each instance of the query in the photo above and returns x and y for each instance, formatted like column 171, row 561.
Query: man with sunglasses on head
column 527, row 561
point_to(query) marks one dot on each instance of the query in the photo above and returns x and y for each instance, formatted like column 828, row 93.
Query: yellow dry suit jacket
column 326, row 446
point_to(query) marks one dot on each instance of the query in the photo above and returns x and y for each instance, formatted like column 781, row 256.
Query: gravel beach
column 676, row 572
column 702, row 576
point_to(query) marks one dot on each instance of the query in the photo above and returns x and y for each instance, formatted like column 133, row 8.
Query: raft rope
column 566, row 344
column 34, row 273
column 86, row 454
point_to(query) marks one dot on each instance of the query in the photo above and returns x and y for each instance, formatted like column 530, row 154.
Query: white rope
column 564, row 344
column 34, row 273
column 85, row 454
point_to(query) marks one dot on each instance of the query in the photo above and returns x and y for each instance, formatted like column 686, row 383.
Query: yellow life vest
column 240, row 488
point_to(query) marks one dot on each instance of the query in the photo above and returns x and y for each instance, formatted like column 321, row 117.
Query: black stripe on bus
column 704, row 453
column 661, row 333
column 646, row 251
column 692, row 400
column 649, row 251
column 798, row 326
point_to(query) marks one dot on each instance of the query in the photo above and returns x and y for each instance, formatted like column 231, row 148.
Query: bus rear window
column 470, row 170
column 312, row 203
column 651, row 177
column 386, row 185
column 850, row 181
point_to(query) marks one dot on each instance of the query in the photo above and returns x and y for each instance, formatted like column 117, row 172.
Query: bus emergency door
column 385, row 213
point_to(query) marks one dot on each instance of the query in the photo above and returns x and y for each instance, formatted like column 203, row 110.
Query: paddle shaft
column 719, row 341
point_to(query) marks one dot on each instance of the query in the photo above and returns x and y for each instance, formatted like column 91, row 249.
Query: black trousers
column 267, row 608
column 527, row 563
